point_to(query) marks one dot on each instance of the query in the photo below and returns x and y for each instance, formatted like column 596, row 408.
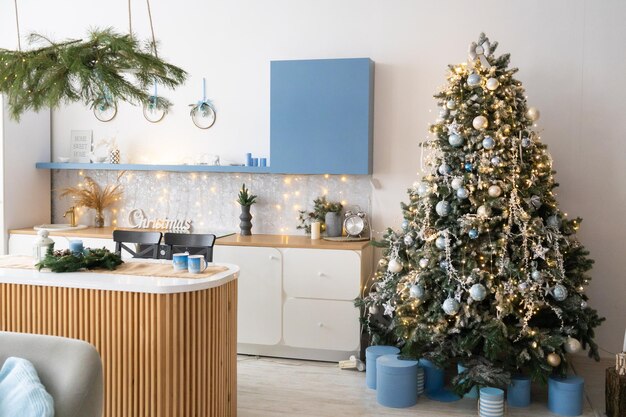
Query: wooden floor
column 269, row 387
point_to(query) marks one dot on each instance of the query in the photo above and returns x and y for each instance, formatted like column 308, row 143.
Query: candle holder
column 620, row 364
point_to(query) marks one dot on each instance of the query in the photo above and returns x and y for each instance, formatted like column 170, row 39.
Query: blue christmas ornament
column 455, row 140
column 473, row 233
column 417, row 291
column 489, row 143
column 526, row 142
column 462, row 193
column 478, row 292
column 442, row 208
column 473, row 80
column 444, row 169
column 495, row 161
column 468, row 166
column 405, row 224
column 443, row 264
column 440, row 243
column 451, row 306
column 559, row 292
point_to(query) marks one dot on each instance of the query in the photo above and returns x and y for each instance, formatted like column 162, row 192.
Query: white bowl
column 63, row 159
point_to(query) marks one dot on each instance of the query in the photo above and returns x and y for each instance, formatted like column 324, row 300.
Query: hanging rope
column 154, row 46
column 130, row 20
column 17, row 24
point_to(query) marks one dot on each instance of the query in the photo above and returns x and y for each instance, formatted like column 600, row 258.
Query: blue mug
column 197, row 264
column 179, row 261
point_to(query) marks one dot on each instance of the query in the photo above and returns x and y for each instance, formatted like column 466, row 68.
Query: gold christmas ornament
column 554, row 360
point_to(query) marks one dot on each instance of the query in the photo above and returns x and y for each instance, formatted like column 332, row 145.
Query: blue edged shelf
column 148, row 167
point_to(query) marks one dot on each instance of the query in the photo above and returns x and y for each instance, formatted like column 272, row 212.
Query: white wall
column 570, row 52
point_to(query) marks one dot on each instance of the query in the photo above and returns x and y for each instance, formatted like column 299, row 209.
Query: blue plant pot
column 435, row 377
column 473, row 393
column 518, row 393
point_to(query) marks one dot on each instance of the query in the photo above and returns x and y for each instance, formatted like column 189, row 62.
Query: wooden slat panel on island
column 163, row 354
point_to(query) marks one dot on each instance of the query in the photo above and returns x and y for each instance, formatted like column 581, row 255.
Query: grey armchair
column 70, row 370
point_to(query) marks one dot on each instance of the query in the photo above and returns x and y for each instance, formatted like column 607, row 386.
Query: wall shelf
column 148, row 167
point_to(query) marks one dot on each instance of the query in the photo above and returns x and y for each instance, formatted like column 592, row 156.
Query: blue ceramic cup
column 196, row 264
column 179, row 261
column 76, row 246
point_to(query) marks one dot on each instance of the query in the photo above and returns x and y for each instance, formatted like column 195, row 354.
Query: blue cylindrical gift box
column 491, row 402
column 473, row 393
column 371, row 354
column 518, row 392
column 434, row 376
column 255, row 162
column 262, row 162
column 565, row 395
column 396, row 381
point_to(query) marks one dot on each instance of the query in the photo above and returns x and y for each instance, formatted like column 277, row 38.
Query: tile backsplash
column 209, row 199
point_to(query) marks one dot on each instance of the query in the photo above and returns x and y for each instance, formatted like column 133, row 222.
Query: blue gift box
column 518, row 392
column 396, row 381
column 434, row 376
column 565, row 395
column 371, row 354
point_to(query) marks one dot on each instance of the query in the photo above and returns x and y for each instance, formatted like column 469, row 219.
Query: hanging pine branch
column 107, row 64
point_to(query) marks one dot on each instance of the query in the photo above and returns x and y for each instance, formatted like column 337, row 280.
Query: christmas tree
column 486, row 270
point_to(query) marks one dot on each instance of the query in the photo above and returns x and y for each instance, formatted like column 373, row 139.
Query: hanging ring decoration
column 154, row 110
column 104, row 108
column 203, row 113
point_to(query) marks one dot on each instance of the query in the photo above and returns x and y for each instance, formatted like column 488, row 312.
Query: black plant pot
column 245, row 225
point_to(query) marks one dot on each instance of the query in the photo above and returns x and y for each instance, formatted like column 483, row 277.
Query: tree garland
column 107, row 66
column 67, row 261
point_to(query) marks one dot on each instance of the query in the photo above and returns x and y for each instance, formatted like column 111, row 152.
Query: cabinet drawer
column 321, row 324
column 317, row 273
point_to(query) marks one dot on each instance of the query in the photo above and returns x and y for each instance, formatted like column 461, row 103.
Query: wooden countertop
column 272, row 241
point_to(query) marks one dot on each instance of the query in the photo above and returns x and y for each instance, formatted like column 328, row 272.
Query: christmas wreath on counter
column 68, row 261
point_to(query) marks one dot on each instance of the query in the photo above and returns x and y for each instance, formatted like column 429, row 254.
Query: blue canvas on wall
column 322, row 116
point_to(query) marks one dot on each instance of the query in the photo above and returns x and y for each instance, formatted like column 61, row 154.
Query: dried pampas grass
column 93, row 196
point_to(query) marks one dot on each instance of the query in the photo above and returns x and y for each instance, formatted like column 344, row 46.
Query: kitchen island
column 168, row 345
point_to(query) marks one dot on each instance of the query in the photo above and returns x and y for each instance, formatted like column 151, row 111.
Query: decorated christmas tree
column 486, row 269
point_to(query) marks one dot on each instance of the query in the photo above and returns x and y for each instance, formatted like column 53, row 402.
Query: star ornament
column 539, row 251
column 389, row 309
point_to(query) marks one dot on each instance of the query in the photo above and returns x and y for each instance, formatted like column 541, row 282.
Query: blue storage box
column 396, row 381
column 565, row 395
column 518, row 392
column 371, row 354
column 434, row 377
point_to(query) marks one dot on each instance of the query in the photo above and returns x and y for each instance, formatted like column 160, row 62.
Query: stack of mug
column 491, row 402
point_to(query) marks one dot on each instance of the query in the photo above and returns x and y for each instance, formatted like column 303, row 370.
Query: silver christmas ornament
column 455, row 140
column 483, row 211
column 554, row 221
column 480, row 122
column 440, row 242
column 536, row 275
column 408, row 240
column 489, row 143
column 495, row 161
column 394, row 266
column 417, row 291
column 572, row 345
column 494, row 191
column 451, row 306
column 444, row 169
column 559, row 292
column 526, row 142
column 405, row 224
column 442, row 208
column 478, row 292
column 583, row 304
column 533, row 114
column 492, row 84
column 473, row 80
column 422, row 189
column 462, row 193
column 443, row 264
column 457, row 183
column 424, row 262
column 450, row 104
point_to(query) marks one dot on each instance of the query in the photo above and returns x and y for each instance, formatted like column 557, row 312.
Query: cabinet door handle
column 272, row 257
column 320, row 324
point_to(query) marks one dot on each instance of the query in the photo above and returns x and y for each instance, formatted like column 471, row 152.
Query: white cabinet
column 321, row 324
column 259, row 305
column 22, row 244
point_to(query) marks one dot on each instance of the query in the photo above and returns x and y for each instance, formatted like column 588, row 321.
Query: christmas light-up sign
column 137, row 219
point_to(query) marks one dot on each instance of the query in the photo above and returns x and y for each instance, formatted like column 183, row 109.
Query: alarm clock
column 355, row 223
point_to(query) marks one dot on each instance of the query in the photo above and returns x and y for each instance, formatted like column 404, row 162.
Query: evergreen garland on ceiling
column 107, row 65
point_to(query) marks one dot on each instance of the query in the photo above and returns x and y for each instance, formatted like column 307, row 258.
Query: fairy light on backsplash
column 209, row 199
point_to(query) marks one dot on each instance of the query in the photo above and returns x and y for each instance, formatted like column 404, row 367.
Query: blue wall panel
column 321, row 116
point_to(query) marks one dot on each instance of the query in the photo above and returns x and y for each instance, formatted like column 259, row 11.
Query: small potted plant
column 333, row 219
column 245, row 200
